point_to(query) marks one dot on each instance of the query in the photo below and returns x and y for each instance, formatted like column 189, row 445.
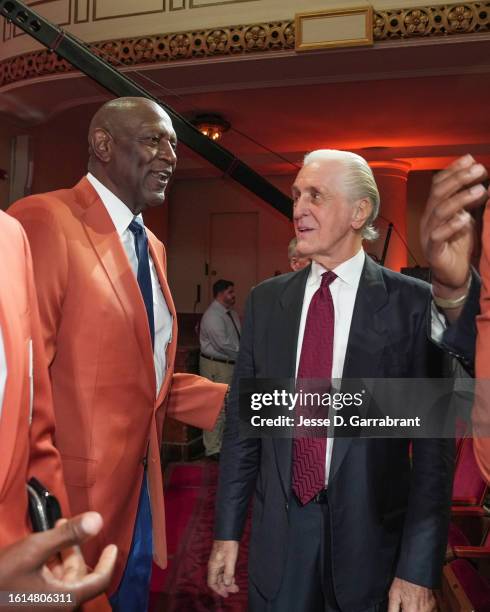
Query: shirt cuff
column 438, row 324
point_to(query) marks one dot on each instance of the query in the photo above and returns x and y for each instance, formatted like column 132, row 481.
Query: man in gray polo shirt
column 220, row 340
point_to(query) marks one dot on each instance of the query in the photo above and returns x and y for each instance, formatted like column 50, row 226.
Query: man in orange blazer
column 110, row 332
column 26, row 412
column 465, row 338
column 26, row 440
column 481, row 408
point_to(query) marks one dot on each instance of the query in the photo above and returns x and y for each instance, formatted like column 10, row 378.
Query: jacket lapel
column 106, row 243
column 14, row 345
column 281, row 357
column 157, row 256
column 367, row 339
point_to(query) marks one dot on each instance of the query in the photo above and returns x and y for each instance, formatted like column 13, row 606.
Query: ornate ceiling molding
column 436, row 21
column 443, row 20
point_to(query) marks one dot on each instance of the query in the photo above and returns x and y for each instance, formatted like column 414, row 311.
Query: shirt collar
column 348, row 271
column 220, row 306
column 119, row 213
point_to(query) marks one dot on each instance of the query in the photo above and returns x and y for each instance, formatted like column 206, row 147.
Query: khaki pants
column 217, row 372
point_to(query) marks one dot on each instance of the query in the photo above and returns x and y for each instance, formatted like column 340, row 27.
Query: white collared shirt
column 122, row 217
column 3, row 371
column 218, row 336
column 344, row 292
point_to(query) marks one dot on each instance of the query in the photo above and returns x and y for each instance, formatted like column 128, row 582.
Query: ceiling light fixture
column 211, row 125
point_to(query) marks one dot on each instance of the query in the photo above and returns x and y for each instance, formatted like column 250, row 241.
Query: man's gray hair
column 358, row 182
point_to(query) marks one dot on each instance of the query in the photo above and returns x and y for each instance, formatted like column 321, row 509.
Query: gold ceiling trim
column 443, row 20
column 423, row 21
column 331, row 24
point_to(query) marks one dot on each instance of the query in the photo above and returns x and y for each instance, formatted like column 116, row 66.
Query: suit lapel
column 172, row 347
column 367, row 339
column 106, row 243
column 14, row 346
column 281, row 357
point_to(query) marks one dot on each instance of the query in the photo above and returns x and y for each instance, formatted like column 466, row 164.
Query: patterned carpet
column 189, row 503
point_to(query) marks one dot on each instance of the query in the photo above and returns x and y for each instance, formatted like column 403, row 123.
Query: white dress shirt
column 3, row 371
column 344, row 292
column 122, row 217
column 217, row 334
column 438, row 324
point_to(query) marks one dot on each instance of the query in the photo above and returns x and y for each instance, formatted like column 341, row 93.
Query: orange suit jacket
column 100, row 356
column 481, row 409
column 26, row 420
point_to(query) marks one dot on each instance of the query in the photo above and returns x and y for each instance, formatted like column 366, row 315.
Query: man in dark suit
column 365, row 530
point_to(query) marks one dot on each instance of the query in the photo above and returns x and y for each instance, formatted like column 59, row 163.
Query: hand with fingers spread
column 408, row 597
column 446, row 228
column 23, row 565
column 221, row 567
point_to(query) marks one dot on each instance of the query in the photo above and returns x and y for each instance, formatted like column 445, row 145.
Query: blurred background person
column 296, row 261
column 219, row 338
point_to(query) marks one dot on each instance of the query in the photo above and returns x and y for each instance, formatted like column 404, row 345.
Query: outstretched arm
column 446, row 231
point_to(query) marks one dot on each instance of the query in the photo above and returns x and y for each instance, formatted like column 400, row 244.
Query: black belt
column 230, row 361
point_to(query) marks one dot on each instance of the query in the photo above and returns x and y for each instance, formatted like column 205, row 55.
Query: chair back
column 469, row 487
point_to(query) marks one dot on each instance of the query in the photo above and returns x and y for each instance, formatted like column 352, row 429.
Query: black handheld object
column 44, row 508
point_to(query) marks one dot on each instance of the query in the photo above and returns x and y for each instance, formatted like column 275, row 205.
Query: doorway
column 233, row 252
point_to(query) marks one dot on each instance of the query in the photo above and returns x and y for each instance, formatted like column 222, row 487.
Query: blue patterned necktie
column 144, row 276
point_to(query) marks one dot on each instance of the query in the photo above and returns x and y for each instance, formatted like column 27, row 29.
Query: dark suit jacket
column 387, row 518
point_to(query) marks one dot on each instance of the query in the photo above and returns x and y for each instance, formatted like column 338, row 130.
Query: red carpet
column 189, row 505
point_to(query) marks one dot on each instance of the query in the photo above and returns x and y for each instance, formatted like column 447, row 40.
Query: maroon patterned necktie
column 308, row 467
